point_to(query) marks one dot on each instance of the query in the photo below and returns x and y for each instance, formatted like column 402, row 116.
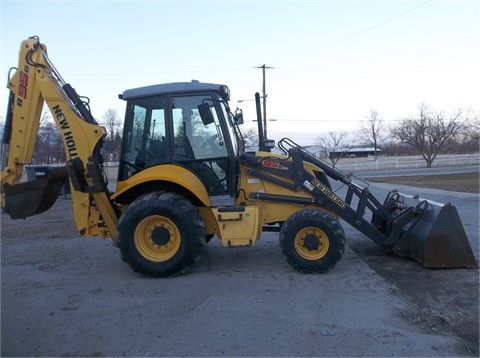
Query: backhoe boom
column 36, row 82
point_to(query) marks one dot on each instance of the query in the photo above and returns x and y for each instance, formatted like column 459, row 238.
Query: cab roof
column 169, row 88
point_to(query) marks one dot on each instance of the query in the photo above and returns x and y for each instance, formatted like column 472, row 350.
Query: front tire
column 161, row 234
column 312, row 241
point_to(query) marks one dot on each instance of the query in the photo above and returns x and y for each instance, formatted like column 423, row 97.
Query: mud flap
column 435, row 236
column 33, row 197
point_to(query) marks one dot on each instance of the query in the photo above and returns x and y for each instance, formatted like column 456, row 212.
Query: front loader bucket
column 435, row 236
column 33, row 197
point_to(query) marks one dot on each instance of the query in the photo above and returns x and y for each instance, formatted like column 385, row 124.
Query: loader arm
column 36, row 82
column 429, row 232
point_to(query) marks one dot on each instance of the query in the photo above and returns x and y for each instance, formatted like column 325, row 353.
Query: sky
column 331, row 61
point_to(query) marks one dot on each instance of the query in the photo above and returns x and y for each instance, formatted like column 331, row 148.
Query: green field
column 463, row 182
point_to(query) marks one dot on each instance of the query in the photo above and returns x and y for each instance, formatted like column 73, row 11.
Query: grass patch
column 463, row 182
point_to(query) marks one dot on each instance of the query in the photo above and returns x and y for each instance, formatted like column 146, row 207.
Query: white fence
column 353, row 165
column 405, row 162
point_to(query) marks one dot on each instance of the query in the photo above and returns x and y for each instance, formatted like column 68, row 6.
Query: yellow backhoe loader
column 185, row 178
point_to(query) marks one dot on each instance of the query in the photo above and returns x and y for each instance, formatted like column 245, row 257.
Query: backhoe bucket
column 434, row 236
column 33, row 197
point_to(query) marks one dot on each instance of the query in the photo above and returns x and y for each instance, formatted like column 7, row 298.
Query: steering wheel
column 210, row 141
column 145, row 153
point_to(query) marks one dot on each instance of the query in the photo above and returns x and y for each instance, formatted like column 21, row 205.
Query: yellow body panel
column 239, row 228
column 169, row 173
column 274, row 212
column 246, row 230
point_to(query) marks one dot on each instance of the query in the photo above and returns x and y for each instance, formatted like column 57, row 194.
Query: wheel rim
column 157, row 238
column 311, row 243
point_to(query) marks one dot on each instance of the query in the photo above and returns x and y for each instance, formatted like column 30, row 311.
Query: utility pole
column 264, row 96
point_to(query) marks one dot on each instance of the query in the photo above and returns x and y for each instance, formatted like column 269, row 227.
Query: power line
column 359, row 33
column 159, row 72
column 243, row 68
column 263, row 67
column 323, row 120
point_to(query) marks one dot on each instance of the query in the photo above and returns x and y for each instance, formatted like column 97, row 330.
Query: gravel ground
column 65, row 295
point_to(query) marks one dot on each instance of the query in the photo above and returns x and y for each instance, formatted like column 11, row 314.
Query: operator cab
column 184, row 123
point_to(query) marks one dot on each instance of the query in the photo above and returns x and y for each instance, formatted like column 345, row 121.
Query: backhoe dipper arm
column 35, row 82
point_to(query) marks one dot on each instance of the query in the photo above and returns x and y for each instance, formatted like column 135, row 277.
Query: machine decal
column 67, row 134
column 308, row 185
column 315, row 182
column 273, row 164
column 22, row 85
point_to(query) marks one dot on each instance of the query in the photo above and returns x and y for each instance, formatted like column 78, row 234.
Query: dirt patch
column 463, row 182
column 441, row 301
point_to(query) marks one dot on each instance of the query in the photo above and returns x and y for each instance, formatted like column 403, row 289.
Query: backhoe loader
column 184, row 178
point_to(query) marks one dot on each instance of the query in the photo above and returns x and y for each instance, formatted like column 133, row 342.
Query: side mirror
column 269, row 144
column 238, row 117
column 205, row 114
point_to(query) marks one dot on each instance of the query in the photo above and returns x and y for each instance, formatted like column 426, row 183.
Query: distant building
column 355, row 152
column 315, row 150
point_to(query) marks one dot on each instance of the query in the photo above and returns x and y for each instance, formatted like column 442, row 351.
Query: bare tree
column 334, row 145
column 45, row 116
column 250, row 137
column 49, row 146
column 372, row 130
column 473, row 131
column 113, row 126
column 112, row 123
column 429, row 132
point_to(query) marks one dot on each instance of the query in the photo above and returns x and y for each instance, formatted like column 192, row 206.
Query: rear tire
column 312, row 241
column 161, row 234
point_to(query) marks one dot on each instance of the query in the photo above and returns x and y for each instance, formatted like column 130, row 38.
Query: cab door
column 201, row 144
column 170, row 129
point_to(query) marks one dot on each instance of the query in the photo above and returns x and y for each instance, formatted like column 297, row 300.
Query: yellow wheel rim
column 157, row 238
column 311, row 243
